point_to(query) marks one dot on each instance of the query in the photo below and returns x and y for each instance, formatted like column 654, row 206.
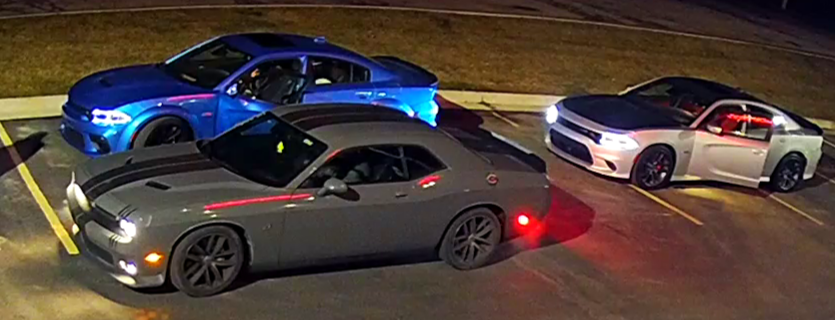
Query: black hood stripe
column 147, row 173
column 142, row 165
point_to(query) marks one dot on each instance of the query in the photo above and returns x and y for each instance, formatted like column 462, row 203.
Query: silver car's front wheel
column 654, row 168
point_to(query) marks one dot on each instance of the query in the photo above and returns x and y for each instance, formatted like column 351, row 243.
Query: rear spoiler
column 408, row 70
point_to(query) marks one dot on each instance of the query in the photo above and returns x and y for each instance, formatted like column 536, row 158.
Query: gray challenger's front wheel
column 788, row 175
column 654, row 168
column 207, row 261
column 471, row 239
column 165, row 130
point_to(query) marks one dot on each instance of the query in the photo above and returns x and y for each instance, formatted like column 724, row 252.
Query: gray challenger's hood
column 621, row 113
column 162, row 177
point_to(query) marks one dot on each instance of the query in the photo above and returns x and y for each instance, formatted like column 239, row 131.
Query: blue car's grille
column 75, row 111
column 74, row 137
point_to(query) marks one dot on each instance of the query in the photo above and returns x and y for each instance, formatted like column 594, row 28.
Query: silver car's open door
column 732, row 145
column 728, row 159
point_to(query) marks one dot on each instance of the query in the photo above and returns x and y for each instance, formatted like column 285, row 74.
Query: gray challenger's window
column 265, row 149
column 376, row 164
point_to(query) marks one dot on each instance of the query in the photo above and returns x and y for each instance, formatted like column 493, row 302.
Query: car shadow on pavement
column 26, row 148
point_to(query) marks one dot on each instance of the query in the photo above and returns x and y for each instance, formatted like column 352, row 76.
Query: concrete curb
column 50, row 106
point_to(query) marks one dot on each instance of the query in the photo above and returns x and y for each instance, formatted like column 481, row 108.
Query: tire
column 198, row 271
column 463, row 248
column 653, row 169
column 165, row 130
column 788, row 175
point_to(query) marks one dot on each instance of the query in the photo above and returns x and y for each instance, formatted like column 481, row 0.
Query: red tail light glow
column 429, row 181
column 523, row 220
column 243, row 202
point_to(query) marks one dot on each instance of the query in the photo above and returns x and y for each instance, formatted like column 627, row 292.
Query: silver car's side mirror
column 714, row 129
column 333, row 186
column 232, row 90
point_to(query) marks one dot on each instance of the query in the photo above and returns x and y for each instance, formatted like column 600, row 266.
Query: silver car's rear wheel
column 207, row 261
column 471, row 239
column 654, row 168
column 788, row 174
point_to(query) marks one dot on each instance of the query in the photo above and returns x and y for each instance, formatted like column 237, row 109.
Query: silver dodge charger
column 682, row 129
column 298, row 186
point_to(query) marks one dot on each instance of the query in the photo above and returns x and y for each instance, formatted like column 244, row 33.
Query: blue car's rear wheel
column 165, row 130
column 207, row 261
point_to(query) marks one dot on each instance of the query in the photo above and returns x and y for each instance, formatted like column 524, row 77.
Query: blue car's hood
column 116, row 87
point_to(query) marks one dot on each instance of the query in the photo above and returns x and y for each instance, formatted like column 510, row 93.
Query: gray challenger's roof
column 349, row 124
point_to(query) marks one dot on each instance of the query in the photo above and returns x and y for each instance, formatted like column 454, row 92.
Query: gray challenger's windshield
column 208, row 65
column 265, row 149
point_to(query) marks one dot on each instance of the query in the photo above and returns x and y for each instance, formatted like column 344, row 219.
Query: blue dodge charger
column 214, row 85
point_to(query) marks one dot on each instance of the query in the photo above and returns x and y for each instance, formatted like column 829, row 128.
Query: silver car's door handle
column 758, row 152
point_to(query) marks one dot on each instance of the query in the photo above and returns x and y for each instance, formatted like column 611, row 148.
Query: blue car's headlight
column 107, row 118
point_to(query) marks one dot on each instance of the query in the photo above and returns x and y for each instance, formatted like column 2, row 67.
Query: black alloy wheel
column 471, row 239
column 207, row 261
column 167, row 130
column 788, row 174
column 653, row 169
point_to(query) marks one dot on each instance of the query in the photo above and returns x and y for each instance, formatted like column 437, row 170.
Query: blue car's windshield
column 208, row 65
column 265, row 149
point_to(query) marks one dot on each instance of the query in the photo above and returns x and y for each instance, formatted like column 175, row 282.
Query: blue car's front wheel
column 165, row 130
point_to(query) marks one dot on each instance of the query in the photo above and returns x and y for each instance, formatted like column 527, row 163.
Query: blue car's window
column 208, row 65
column 327, row 71
column 266, row 150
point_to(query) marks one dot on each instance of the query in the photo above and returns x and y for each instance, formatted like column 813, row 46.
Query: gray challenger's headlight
column 616, row 141
column 128, row 227
column 552, row 114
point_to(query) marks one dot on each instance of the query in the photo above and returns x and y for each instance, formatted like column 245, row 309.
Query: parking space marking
column 828, row 179
column 667, row 205
column 33, row 187
column 793, row 208
column 829, row 143
column 505, row 119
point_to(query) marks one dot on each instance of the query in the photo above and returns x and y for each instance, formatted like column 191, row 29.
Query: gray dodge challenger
column 301, row 186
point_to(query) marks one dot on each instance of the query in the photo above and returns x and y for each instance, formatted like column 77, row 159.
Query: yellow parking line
column 505, row 119
column 828, row 179
column 829, row 143
column 667, row 205
column 795, row 209
column 50, row 214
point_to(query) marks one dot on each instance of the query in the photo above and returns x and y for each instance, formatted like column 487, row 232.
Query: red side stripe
column 243, row 202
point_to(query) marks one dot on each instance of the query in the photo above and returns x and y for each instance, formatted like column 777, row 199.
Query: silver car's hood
column 618, row 112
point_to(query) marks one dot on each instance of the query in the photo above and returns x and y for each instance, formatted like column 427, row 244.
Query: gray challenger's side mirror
column 333, row 186
column 714, row 129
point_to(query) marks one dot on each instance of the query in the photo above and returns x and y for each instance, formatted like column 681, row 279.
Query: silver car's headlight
column 128, row 227
column 552, row 114
column 616, row 141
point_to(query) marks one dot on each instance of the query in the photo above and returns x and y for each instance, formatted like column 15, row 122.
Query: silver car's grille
column 577, row 128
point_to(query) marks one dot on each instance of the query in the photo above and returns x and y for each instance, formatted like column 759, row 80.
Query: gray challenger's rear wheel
column 471, row 239
column 165, row 130
column 653, row 168
column 207, row 261
column 788, row 175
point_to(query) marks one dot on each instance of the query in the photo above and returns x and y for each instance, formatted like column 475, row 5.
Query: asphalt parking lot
column 609, row 251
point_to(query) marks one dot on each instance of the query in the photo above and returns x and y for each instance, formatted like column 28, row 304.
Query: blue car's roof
column 259, row 44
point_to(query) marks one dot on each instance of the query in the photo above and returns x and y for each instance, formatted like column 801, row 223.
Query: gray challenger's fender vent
column 157, row 185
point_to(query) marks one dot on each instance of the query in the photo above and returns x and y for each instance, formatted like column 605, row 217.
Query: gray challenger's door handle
column 400, row 195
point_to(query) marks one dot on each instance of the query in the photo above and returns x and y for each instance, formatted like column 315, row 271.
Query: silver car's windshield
column 265, row 149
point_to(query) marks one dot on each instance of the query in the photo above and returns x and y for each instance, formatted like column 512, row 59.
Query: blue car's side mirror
column 232, row 90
